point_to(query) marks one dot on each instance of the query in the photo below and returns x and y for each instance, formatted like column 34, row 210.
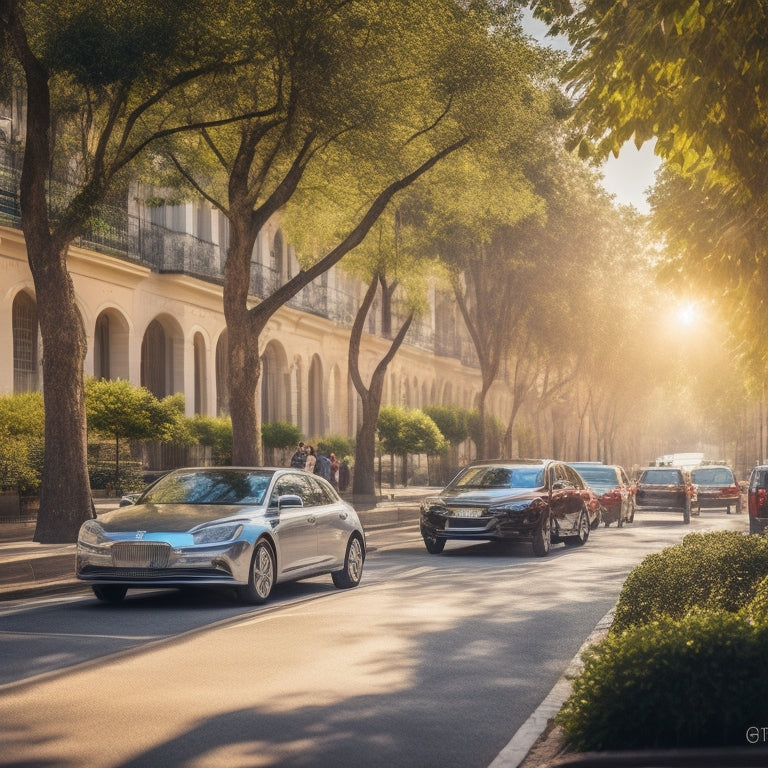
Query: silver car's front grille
column 140, row 554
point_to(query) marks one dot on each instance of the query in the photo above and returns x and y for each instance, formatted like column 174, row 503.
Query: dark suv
column 715, row 487
column 664, row 488
column 757, row 499
column 541, row 501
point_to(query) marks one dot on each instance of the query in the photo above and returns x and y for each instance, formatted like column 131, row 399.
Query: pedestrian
column 299, row 458
column 311, row 459
column 334, row 471
column 344, row 476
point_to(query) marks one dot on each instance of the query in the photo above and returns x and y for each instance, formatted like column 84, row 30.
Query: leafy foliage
column 404, row 430
column 21, row 441
column 280, row 434
column 696, row 681
column 721, row 570
column 452, row 421
column 216, row 432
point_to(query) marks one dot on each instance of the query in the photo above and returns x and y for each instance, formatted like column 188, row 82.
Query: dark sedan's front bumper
column 509, row 526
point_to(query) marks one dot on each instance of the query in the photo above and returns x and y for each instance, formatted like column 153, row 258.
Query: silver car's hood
column 173, row 518
column 487, row 496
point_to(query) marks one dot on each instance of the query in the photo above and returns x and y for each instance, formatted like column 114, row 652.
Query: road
column 432, row 661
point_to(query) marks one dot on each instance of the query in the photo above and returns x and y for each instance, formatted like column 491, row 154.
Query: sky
column 632, row 173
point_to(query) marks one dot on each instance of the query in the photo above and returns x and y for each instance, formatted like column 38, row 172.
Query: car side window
column 322, row 491
column 573, row 477
column 295, row 485
column 557, row 474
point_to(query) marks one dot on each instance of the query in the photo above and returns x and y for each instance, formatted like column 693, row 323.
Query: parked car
column 238, row 527
column 664, row 488
column 541, row 501
column 757, row 499
column 716, row 488
column 612, row 488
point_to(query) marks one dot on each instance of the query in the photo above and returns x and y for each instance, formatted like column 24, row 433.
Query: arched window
column 110, row 346
column 24, row 321
column 201, row 377
column 222, row 376
column 153, row 360
column 316, row 398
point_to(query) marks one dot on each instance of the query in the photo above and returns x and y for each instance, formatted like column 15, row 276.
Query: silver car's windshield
column 222, row 486
column 500, row 477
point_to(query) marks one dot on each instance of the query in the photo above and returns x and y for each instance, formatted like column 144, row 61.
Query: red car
column 612, row 488
column 757, row 499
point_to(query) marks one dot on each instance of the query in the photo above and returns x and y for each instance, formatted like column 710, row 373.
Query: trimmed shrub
column 695, row 682
column 757, row 608
column 720, row 570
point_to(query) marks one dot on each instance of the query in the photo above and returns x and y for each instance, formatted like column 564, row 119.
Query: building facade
column 148, row 281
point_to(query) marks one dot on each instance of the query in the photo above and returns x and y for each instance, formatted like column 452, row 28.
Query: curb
column 516, row 752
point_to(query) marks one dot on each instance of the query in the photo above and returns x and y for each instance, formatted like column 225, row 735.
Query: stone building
column 149, row 286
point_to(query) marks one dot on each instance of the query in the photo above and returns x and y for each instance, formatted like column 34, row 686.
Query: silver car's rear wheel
column 261, row 578
column 352, row 572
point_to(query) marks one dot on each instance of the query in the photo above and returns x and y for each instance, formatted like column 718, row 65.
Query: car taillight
column 611, row 496
column 757, row 502
column 731, row 490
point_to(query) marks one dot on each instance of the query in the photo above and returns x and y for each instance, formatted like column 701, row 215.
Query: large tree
column 380, row 92
column 96, row 77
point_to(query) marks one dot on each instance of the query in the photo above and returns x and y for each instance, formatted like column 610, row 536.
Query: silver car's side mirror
column 289, row 500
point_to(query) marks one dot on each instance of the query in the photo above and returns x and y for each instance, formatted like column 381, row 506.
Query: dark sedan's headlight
column 509, row 506
column 215, row 534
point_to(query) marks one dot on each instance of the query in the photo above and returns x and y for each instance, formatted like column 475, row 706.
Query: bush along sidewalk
column 684, row 664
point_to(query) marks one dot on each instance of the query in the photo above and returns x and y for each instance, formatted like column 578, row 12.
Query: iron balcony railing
column 113, row 230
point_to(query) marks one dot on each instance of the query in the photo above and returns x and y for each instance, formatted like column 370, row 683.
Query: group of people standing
column 308, row 459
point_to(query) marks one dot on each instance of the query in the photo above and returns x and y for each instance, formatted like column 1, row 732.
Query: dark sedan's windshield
column 500, row 477
column 221, row 486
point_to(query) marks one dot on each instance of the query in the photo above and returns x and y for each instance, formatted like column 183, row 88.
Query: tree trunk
column 65, row 497
column 243, row 348
column 365, row 445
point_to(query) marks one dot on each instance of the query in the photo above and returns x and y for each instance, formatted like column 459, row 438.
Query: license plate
column 468, row 512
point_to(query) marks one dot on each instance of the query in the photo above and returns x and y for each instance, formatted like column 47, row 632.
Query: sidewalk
column 28, row 568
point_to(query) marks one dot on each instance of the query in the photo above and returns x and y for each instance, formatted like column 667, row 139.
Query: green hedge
column 697, row 681
column 719, row 571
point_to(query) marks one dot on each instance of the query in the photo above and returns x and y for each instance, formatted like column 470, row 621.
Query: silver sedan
column 247, row 528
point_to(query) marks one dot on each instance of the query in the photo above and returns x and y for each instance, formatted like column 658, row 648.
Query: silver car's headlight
column 91, row 533
column 214, row 534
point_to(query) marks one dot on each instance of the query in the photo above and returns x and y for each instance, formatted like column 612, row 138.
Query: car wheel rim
column 355, row 560
column 262, row 572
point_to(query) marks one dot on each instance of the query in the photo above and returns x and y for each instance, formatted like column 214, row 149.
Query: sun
column 687, row 315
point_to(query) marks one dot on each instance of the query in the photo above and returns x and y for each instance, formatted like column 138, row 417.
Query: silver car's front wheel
column 352, row 572
column 261, row 578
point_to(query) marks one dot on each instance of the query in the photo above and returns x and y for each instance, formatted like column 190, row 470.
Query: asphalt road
column 432, row 661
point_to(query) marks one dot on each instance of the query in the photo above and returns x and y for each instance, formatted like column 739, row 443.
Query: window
column 24, row 321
